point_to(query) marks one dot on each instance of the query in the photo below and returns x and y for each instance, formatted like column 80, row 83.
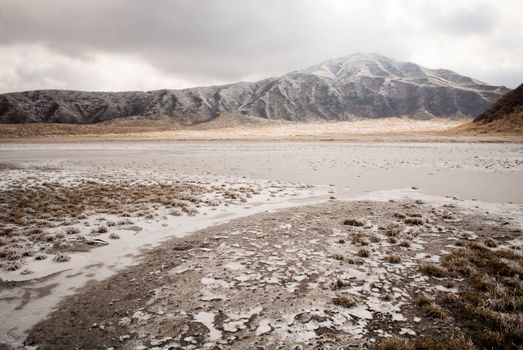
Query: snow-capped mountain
column 356, row 86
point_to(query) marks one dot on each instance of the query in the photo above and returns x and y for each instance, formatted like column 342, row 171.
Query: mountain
column 356, row 86
column 511, row 104
column 503, row 117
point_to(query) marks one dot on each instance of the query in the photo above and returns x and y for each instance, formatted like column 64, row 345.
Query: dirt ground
column 342, row 274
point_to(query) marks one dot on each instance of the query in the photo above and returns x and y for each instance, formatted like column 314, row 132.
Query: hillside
column 504, row 117
column 356, row 86
column 510, row 104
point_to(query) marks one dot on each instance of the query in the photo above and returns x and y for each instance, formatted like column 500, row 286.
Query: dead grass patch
column 393, row 258
column 27, row 209
column 363, row 252
column 413, row 221
column 489, row 306
column 354, row 222
column 346, row 301
column 426, row 343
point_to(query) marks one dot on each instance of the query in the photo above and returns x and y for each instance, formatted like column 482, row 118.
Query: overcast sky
column 153, row 44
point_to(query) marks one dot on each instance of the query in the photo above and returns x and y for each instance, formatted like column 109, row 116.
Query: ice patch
column 214, row 281
column 360, row 311
column 407, row 331
column 209, row 296
column 234, row 266
column 207, row 319
column 263, row 328
column 398, row 317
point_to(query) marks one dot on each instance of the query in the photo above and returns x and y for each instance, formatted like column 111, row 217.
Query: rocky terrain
column 360, row 85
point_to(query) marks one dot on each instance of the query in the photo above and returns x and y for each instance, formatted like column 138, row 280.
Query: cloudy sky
column 153, row 44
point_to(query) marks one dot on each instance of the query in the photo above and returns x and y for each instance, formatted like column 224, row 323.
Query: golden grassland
column 511, row 124
column 227, row 127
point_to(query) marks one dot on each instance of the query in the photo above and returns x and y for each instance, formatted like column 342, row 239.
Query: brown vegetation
column 490, row 304
column 426, row 343
column 345, row 301
column 29, row 211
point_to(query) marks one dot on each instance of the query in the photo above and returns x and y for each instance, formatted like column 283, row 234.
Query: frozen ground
column 338, row 274
column 488, row 172
column 106, row 236
column 477, row 180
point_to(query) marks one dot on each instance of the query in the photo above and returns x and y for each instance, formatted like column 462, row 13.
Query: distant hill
column 356, row 86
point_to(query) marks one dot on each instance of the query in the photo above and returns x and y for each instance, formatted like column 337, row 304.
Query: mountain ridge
column 354, row 86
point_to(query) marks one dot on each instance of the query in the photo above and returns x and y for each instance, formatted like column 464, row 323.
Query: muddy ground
column 336, row 275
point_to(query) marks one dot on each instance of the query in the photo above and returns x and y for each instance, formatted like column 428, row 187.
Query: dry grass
column 404, row 243
column 354, row 222
column 489, row 307
column 227, row 127
column 422, row 300
column 374, row 238
column 393, row 230
column 40, row 256
column 433, row 310
column 490, row 243
column 101, row 229
column 399, row 215
column 61, row 257
column 363, row 252
column 339, row 284
column 434, row 270
column 72, row 231
column 510, row 124
column 345, row 301
column 393, row 258
column 28, row 210
column 413, row 221
column 359, row 238
column 426, row 343
column 338, row 256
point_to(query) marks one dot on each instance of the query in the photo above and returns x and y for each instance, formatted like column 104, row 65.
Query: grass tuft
column 346, row 301
column 61, row 257
column 354, row 222
column 434, row 270
column 393, row 258
column 363, row 252
column 426, row 343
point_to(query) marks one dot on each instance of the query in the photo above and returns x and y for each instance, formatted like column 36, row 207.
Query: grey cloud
column 210, row 41
column 222, row 40
column 466, row 21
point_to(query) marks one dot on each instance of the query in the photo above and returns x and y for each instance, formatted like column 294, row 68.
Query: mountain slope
column 510, row 104
column 505, row 117
column 366, row 86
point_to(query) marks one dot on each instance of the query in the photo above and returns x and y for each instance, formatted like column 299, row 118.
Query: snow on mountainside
column 356, row 86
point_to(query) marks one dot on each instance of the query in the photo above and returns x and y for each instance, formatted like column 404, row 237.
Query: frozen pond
column 488, row 172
